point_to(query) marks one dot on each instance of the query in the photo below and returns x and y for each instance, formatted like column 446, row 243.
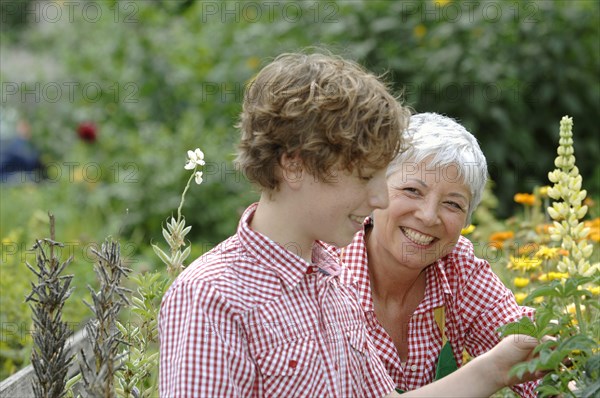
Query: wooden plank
column 19, row 384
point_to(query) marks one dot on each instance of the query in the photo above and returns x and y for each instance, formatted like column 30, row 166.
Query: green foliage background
column 172, row 75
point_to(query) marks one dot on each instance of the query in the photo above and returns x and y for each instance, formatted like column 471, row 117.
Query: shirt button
column 413, row 368
column 309, row 271
column 293, row 363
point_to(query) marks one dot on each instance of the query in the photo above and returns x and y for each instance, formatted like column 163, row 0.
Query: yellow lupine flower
column 521, row 282
column 523, row 263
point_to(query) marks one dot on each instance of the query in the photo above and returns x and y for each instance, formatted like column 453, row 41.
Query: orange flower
column 594, row 226
column 501, row 236
column 497, row 238
column 526, row 199
column 543, row 229
column 527, row 248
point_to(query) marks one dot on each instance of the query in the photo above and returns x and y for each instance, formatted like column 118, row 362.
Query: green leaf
column 162, row 255
column 523, row 326
column 546, row 390
column 551, row 290
column 186, row 253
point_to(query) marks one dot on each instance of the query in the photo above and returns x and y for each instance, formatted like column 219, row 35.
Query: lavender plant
column 98, row 373
column 49, row 357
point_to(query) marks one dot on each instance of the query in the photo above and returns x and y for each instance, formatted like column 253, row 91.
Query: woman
column 418, row 279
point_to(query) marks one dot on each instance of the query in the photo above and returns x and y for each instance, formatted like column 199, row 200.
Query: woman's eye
column 411, row 190
column 455, row 205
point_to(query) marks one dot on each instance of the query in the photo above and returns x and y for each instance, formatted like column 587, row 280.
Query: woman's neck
column 391, row 281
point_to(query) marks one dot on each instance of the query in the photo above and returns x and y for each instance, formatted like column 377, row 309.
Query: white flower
column 195, row 158
column 198, row 177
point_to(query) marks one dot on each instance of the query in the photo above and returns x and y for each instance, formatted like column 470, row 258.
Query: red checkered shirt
column 476, row 303
column 252, row 319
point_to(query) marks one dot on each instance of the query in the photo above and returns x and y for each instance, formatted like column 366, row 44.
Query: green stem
column 187, row 186
column 579, row 314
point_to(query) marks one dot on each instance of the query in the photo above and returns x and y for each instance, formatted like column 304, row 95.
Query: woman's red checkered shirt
column 476, row 304
column 252, row 319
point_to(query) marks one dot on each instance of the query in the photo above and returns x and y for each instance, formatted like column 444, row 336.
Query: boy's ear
column 292, row 170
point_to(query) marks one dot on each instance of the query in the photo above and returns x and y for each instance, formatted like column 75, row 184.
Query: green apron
column 446, row 363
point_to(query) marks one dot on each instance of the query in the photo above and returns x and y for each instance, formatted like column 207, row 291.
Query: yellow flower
column 253, row 62
column 523, row 263
column 467, row 230
column 521, row 282
column 547, row 253
column 519, row 297
column 526, row 199
column 595, row 290
column 573, row 311
column 544, row 191
column 419, row 31
column 551, row 276
column 441, row 3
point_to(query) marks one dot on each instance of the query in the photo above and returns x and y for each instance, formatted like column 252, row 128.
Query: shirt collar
column 289, row 267
column 355, row 258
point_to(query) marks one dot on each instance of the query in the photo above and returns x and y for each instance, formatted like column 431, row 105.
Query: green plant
column 49, row 358
column 98, row 373
column 569, row 309
column 137, row 375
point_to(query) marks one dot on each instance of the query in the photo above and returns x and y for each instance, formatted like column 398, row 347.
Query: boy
column 265, row 313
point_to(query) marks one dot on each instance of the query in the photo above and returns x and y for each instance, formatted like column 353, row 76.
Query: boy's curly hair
column 328, row 110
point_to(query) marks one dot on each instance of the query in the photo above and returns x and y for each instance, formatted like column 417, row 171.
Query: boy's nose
column 378, row 197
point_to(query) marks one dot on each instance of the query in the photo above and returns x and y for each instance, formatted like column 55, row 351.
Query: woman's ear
column 292, row 170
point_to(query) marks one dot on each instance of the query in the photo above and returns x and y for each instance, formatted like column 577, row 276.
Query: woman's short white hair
column 444, row 142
